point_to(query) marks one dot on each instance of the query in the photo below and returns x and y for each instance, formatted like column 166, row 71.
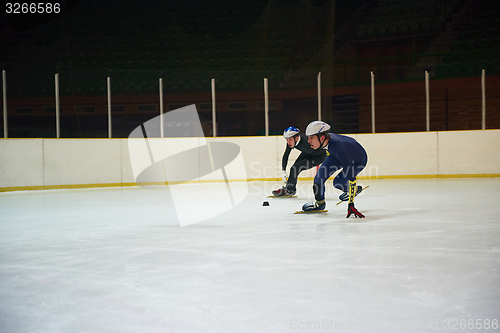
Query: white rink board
column 21, row 162
column 259, row 154
column 127, row 175
column 400, row 154
column 36, row 163
column 81, row 161
column 469, row 152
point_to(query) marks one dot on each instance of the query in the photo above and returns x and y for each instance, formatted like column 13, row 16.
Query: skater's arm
column 284, row 160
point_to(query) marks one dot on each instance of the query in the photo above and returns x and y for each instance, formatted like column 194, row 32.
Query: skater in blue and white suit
column 344, row 153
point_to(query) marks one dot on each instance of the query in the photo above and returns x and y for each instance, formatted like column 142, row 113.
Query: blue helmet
column 291, row 131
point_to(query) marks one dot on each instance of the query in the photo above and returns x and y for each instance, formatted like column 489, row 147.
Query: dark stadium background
column 239, row 43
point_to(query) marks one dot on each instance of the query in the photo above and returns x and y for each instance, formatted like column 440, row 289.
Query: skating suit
column 344, row 153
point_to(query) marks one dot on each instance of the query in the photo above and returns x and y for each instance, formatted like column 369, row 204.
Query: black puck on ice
column 265, row 203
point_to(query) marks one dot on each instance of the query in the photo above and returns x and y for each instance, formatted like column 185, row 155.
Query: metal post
column 319, row 96
column 373, row 101
column 109, row 107
column 4, row 93
column 266, row 105
column 214, row 105
column 427, row 104
column 483, row 99
column 58, row 126
column 160, row 82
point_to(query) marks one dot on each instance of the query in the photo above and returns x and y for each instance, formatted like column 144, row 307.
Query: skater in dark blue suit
column 343, row 153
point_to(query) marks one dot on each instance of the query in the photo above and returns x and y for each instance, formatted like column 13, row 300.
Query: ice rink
column 426, row 258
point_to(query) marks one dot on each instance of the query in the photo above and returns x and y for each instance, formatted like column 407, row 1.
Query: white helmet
column 317, row 127
column 291, row 131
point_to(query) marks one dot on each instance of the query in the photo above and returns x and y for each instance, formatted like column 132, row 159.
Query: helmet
column 291, row 131
column 317, row 127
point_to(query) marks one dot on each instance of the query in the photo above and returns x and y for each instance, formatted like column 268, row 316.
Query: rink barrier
column 48, row 164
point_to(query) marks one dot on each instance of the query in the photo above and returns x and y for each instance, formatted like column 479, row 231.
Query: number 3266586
column 32, row 8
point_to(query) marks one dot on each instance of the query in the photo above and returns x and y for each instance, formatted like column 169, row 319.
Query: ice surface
column 116, row 260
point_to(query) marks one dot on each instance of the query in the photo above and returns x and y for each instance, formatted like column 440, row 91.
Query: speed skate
column 341, row 201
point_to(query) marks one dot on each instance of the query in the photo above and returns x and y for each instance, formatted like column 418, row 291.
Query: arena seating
column 240, row 42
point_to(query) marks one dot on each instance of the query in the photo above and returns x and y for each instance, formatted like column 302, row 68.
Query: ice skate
column 314, row 206
column 345, row 196
column 284, row 192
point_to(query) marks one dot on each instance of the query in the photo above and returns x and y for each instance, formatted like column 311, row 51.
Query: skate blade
column 311, row 212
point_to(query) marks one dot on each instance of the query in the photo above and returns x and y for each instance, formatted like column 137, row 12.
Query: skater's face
column 290, row 142
column 314, row 141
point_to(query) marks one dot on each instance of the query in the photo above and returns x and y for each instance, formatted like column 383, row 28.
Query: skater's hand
column 284, row 176
column 352, row 210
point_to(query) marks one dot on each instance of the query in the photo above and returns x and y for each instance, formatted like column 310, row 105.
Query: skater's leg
column 326, row 169
column 329, row 167
column 302, row 163
column 348, row 175
column 341, row 182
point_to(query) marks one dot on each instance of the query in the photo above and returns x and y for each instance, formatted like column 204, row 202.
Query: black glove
column 352, row 210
